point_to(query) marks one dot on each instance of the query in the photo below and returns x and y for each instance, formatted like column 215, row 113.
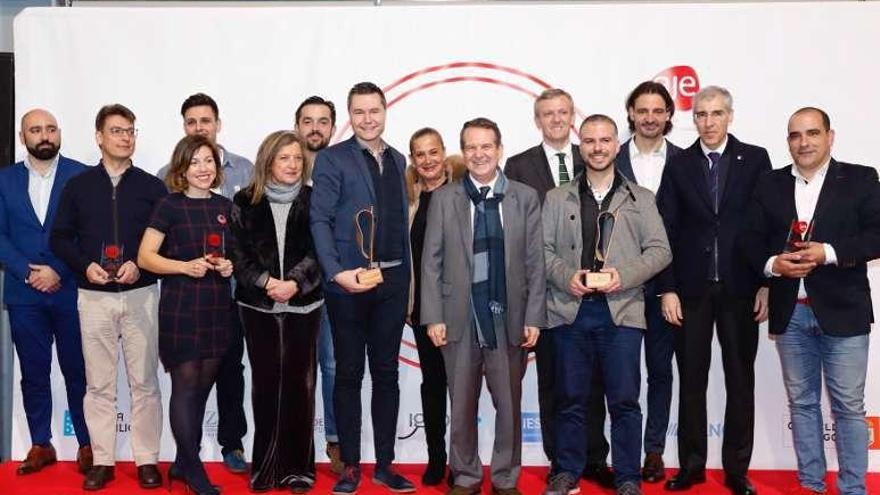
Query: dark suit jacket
column 531, row 168
column 448, row 262
column 692, row 224
column 624, row 165
column 342, row 185
column 847, row 217
column 23, row 240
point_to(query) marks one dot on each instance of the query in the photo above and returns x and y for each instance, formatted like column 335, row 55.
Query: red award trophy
column 373, row 274
column 799, row 232
column 111, row 259
column 594, row 279
column 214, row 245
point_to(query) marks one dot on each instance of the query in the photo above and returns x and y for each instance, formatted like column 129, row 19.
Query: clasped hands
column 578, row 288
column 800, row 263
column 198, row 267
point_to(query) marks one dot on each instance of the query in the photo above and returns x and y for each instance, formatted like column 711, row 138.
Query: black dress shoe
column 149, row 476
column 740, row 485
column 434, row 473
column 98, row 477
column 599, row 473
column 684, row 479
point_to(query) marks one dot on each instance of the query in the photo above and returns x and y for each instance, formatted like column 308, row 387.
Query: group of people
column 585, row 253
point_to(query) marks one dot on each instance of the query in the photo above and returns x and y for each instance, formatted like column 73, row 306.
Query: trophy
column 214, row 244
column 594, row 279
column 799, row 232
column 372, row 275
column 111, row 259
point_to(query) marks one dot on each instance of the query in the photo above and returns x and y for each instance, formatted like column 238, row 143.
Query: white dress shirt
column 40, row 187
column 806, row 195
column 553, row 160
column 706, row 151
column 648, row 167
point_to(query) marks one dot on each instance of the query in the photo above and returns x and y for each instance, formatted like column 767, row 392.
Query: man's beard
column 320, row 145
column 41, row 152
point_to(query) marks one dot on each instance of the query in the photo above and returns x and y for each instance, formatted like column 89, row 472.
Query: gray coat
column 638, row 250
column 448, row 260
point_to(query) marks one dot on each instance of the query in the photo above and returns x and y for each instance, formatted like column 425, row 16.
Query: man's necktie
column 563, row 171
column 714, row 158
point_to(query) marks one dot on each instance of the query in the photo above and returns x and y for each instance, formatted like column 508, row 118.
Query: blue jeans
column 592, row 337
column 327, row 362
column 806, row 353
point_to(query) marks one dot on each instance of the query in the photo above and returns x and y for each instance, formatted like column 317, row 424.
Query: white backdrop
column 441, row 66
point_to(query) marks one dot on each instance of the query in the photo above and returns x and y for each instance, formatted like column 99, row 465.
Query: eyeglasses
column 122, row 131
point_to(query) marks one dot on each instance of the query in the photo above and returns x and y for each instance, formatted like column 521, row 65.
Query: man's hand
column 282, row 291
column 793, row 265
column 128, row 273
column 762, row 307
column 96, row 275
column 614, row 284
column 347, row 279
column 195, row 268
column 576, row 285
column 530, row 337
column 44, row 279
column 222, row 265
column 671, row 308
column 811, row 252
column 437, row 334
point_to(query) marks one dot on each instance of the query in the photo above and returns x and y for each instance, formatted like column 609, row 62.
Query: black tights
column 191, row 383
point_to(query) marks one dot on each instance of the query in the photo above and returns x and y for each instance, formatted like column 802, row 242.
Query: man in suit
column 599, row 326
column 820, row 300
column 554, row 162
column 483, row 302
column 703, row 198
column 642, row 158
column 201, row 116
column 315, row 121
column 39, row 291
column 359, row 173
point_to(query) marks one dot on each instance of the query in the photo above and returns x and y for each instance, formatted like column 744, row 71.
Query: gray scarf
column 282, row 193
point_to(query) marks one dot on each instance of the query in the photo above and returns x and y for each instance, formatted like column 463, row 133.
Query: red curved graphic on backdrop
column 682, row 83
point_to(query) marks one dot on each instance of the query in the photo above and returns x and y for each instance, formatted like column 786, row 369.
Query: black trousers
column 433, row 395
column 282, row 352
column 232, row 424
column 371, row 323
column 738, row 338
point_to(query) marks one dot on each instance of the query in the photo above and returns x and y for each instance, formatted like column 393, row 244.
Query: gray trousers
column 503, row 367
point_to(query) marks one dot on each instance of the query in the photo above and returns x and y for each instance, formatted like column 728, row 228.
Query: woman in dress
column 280, row 297
column 185, row 242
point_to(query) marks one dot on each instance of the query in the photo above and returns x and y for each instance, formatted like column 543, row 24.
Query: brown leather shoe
column 463, row 490
column 37, row 458
column 654, row 471
column 98, row 477
column 149, row 476
column 335, row 456
column 505, row 491
column 84, row 459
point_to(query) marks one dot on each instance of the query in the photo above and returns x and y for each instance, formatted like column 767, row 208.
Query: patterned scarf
column 488, row 287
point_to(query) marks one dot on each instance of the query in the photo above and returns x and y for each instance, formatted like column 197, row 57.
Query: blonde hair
column 269, row 149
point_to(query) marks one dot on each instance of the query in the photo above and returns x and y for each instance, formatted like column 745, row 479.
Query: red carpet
column 62, row 479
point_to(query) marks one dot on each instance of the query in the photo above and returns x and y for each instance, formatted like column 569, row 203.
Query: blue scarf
column 488, row 287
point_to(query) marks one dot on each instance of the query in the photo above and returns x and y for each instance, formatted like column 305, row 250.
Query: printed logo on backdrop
column 211, row 424
column 682, row 83
column 68, row 424
column 531, row 427
column 873, row 432
column 829, row 432
column 319, row 425
column 415, row 421
column 123, row 425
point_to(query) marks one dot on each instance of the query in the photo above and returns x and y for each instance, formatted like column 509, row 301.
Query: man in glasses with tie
column 603, row 239
column 704, row 194
column 554, row 162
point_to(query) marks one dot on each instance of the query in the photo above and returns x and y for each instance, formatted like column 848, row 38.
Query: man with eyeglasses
column 603, row 239
column 101, row 217
column 201, row 116
column 704, row 195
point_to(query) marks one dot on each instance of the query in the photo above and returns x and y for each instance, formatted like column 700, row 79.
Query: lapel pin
column 739, row 157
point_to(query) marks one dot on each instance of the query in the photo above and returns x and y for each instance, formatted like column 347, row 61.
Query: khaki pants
column 132, row 317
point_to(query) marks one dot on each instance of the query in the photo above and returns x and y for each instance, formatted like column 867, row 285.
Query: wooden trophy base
column 372, row 276
column 596, row 280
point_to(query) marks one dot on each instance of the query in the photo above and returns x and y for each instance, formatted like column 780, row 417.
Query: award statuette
column 111, row 259
column 799, row 232
column 594, row 279
column 214, row 244
column 373, row 274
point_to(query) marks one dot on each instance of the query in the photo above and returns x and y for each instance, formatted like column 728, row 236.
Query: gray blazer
column 638, row 250
column 448, row 260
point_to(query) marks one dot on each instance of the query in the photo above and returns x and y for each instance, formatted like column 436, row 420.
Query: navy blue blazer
column 692, row 222
column 23, row 240
column 342, row 185
column 623, row 164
